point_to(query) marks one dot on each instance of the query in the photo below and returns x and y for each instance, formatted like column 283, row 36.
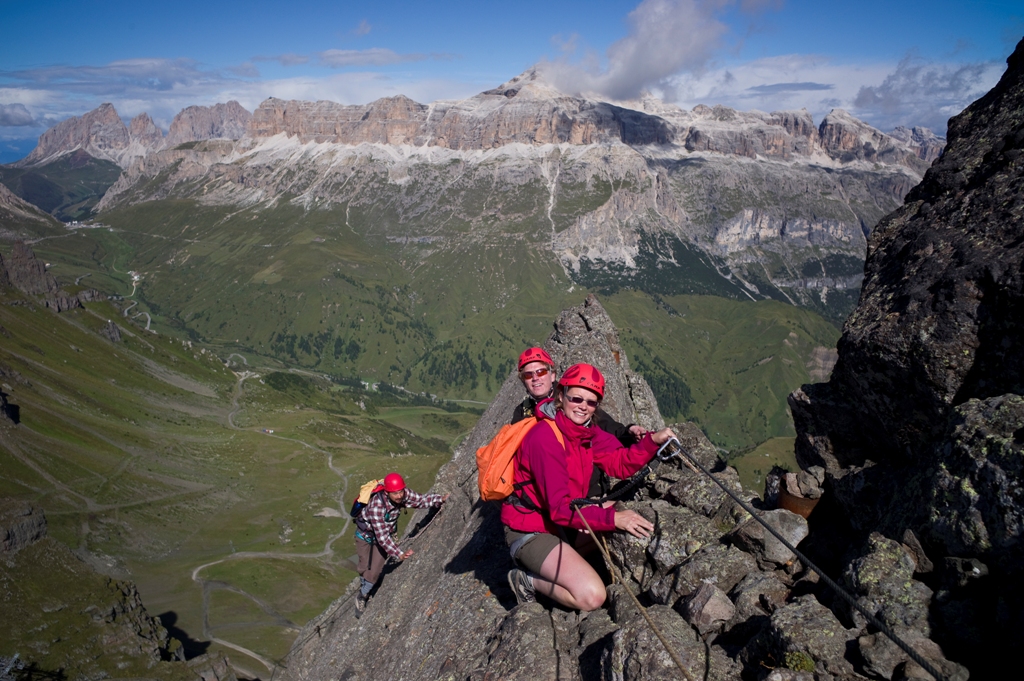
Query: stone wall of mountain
column 921, row 426
column 526, row 110
column 746, row 205
column 102, row 134
column 220, row 121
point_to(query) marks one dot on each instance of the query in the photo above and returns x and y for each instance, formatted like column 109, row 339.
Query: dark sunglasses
column 580, row 400
column 527, row 375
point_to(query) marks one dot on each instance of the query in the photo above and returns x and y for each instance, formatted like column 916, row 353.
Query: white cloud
column 665, row 37
column 363, row 28
column 375, row 56
column 883, row 94
column 927, row 94
column 15, row 115
column 287, row 59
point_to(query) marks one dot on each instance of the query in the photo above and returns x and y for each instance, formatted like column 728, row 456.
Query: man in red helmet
column 375, row 528
column 537, row 372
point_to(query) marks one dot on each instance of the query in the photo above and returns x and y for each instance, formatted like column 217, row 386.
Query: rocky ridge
column 921, row 427
column 27, row 273
column 527, row 110
column 14, row 210
column 220, row 121
column 746, row 205
column 732, row 601
column 94, row 626
column 102, row 134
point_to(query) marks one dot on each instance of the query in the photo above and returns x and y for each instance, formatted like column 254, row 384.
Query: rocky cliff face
column 228, row 121
column 921, row 426
column 746, row 205
column 730, row 599
column 28, row 273
column 102, row 134
column 20, row 525
column 527, row 110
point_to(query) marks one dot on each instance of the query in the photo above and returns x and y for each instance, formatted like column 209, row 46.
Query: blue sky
column 890, row 63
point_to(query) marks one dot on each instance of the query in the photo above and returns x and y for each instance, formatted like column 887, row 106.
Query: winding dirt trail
column 209, row 585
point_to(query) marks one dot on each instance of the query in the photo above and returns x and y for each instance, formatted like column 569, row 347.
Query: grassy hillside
column 152, row 459
column 726, row 365
column 67, row 188
column 311, row 290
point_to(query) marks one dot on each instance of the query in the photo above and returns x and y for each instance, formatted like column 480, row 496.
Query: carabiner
column 670, row 449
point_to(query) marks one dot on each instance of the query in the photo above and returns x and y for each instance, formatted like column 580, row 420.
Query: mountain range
column 423, row 244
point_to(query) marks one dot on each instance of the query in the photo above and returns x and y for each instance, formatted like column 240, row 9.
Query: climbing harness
column 673, row 448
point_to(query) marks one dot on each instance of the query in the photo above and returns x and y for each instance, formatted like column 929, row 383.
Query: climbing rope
column 673, row 448
column 643, row 611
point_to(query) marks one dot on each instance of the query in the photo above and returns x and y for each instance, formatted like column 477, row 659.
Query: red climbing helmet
column 583, row 376
column 393, row 482
column 535, row 355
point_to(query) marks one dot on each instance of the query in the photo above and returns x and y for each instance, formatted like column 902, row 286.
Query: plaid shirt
column 382, row 516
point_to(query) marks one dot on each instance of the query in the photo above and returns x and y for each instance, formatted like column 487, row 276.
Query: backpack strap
column 517, row 498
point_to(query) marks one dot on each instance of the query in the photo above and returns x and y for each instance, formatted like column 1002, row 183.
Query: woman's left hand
column 634, row 523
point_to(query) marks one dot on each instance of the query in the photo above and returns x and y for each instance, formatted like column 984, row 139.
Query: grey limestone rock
column 20, row 525
column 27, row 273
column 804, row 636
column 708, row 608
column 753, row 538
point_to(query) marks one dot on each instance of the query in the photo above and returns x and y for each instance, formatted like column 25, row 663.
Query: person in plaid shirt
column 375, row 527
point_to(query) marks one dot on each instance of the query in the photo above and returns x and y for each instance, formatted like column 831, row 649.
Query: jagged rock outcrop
column 929, row 145
column 27, row 273
column 143, row 130
column 447, row 612
column 20, row 525
column 111, row 332
column 195, row 123
column 921, row 426
column 101, row 132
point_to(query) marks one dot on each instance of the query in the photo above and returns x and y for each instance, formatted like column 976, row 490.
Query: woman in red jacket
column 541, row 528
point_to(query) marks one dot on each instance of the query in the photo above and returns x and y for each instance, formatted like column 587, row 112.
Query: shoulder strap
column 558, row 433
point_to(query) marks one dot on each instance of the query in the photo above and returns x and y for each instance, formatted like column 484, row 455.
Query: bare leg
column 567, row 578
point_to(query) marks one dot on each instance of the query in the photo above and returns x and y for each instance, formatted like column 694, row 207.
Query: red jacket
column 556, row 475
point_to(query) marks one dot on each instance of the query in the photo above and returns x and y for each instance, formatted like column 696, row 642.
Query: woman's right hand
column 663, row 436
column 634, row 523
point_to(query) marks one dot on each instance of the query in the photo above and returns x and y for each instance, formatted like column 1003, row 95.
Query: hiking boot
column 361, row 601
column 522, row 586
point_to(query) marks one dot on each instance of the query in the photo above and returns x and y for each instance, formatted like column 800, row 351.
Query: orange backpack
column 495, row 461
